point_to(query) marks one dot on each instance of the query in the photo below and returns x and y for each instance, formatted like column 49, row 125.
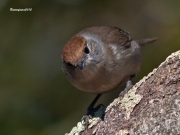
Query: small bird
column 99, row 59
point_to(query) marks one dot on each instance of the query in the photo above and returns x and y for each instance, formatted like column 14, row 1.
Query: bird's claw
column 128, row 87
column 90, row 114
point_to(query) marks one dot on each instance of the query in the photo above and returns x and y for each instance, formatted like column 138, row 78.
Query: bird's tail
column 143, row 42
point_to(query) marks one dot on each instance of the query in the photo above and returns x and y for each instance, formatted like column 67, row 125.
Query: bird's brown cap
column 73, row 50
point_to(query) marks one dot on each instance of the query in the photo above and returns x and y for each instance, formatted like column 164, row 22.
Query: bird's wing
column 113, row 35
column 119, row 36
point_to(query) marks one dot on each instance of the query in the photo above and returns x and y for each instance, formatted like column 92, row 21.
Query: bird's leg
column 128, row 86
column 91, row 110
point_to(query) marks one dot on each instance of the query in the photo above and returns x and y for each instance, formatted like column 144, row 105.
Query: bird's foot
column 128, row 87
column 91, row 111
column 90, row 114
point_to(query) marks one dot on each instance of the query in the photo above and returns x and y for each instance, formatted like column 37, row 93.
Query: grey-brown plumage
column 99, row 59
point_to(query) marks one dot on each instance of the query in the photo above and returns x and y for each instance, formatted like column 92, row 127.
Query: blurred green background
column 35, row 96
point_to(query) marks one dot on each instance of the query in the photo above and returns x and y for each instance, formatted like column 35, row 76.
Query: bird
column 101, row 58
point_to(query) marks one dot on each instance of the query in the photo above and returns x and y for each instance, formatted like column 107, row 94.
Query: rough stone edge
column 124, row 101
column 138, row 84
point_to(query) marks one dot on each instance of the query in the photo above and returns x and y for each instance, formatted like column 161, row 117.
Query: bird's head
column 75, row 52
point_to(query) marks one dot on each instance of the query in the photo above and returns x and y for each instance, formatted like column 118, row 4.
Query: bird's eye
column 86, row 50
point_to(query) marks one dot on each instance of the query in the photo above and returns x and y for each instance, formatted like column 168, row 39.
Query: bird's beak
column 81, row 65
